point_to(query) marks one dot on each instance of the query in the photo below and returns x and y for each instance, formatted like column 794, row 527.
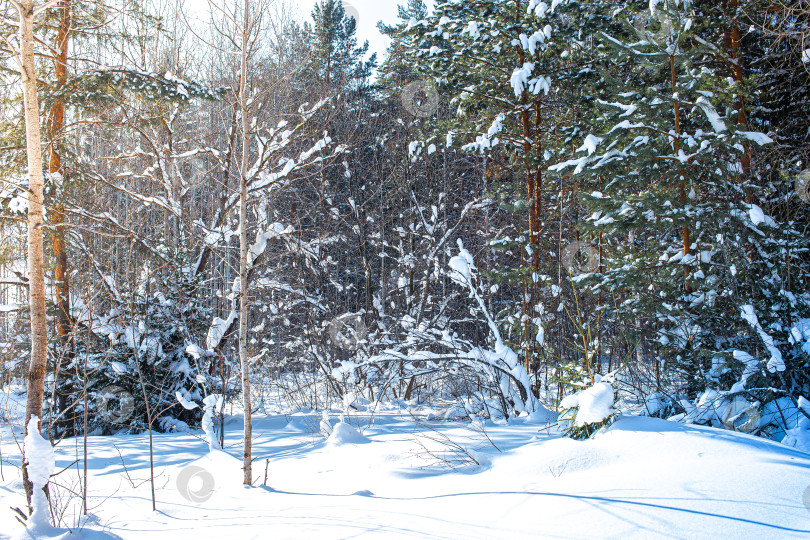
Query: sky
column 367, row 13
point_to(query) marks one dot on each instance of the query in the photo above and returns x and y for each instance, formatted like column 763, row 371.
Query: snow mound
column 214, row 477
column 552, row 458
column 343, row 433
column 640, row 478
column 295, row 426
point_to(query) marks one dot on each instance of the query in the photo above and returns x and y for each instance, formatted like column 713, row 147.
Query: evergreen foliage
column 627, row 176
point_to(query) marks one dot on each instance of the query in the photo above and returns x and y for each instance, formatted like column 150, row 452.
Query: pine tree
column 518, row 76
column 397, row 71
column 686, row 250
column 337, row 62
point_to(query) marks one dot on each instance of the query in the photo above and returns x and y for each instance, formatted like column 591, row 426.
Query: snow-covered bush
column 145, row 343
column 500, row 384
column 587, row 411
column 748, row 394
column 658, row 405
column 798, row 436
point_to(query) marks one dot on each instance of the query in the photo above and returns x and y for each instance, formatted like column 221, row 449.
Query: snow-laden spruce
column 593, row 405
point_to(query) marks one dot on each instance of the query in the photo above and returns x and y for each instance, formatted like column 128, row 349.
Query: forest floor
column 403, row 478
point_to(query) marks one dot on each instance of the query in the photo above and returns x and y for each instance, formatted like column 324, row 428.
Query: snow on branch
column 40, row 460
column 776, row 362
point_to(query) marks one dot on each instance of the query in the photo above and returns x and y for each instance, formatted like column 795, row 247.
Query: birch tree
column 247, row 25
column 36, row 278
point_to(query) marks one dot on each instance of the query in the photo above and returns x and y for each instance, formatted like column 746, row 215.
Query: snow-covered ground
column 641, row 478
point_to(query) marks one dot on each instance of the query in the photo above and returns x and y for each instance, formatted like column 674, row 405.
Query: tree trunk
column 685, row 232
column 57, row 126
column 243, row 255
column 36, row 277
column 534, row 177
column 733, row 45
column 58, row 173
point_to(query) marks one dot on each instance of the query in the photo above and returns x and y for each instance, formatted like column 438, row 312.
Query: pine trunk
column 57, row 126
column 56, row 170
column 534, row 177
column 732, row 41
